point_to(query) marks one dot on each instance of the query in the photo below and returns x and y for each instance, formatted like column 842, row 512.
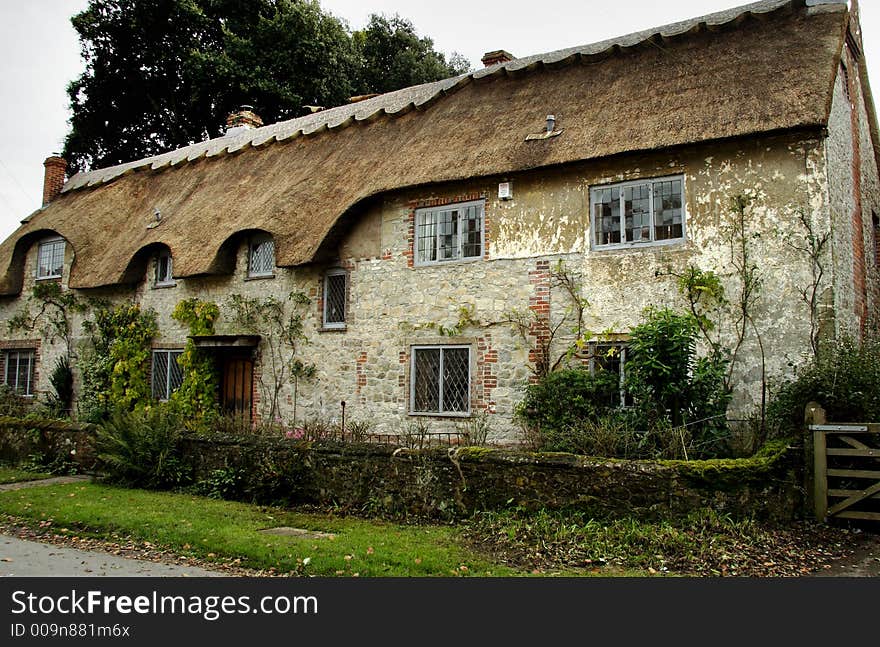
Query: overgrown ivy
column 116, row 363
column 196, row 399
column 55, row 308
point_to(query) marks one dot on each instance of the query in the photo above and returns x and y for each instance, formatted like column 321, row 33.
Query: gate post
column 815, row 415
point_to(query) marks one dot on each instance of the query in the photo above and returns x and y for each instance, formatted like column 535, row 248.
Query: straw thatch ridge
column 764, row 68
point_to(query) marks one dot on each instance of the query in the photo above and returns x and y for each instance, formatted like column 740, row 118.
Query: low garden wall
column 448, row 483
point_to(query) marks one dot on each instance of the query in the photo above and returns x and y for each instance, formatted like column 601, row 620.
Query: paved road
column 19, row 557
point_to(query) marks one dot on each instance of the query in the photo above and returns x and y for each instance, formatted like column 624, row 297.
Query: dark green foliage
column 12, row 404
column 844, row 380
column 561, row 400
column 116, row 364
column 61, row 380
column 669, row 382
column 161, row 74
column 393, row 56
column 141, row 449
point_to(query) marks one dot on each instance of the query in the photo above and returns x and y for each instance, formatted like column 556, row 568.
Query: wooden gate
column 847, row 471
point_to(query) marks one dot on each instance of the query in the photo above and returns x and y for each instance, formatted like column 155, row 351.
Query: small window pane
column 667, row 210
column 427, row 237
column 50, row 259
column 637, row 208
column 163, row 269
column 471, row 233
column 334, row 298
column 262, row 257
column 426, row 388
column 606, row 215
column 175, row 371
column 447, row 223
column 456, row 379
column 160, row 375
column 19, row 375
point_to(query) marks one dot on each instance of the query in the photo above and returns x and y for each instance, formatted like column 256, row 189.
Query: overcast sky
column 39, row 56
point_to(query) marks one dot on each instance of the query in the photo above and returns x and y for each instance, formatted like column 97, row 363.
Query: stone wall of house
column 394, row 304
column 854, row 200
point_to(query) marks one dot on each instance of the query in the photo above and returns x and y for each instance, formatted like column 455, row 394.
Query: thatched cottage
column 396, row 212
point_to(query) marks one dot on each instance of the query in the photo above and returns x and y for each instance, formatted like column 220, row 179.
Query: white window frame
column 423, row 212
column 335, row 325
column 412, row 381
column 49, row 245
column 160, row 281
column 256, row 242
column 173, row 354
column 621, row 186
column 31, row 355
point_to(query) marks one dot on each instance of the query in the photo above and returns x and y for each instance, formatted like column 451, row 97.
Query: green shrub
column 845, row 380
column 562, row 400
column 142, row 448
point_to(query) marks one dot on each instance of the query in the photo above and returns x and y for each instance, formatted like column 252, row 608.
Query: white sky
column 39, row 56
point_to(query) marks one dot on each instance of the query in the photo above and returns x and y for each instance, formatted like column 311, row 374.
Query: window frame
column 335, row 325
column 46, row 244
column 173, row 354
column 650, row 242
column 257, row 241
column 421, row 213
column 166, row 282
column 622, row 345
column 31, row 373
column 412, row 381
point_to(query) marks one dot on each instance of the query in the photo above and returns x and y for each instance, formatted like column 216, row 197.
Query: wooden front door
column 237, row 386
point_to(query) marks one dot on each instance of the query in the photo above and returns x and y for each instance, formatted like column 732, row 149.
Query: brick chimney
column 53, row 179
column 243, row 119
column 496, row 57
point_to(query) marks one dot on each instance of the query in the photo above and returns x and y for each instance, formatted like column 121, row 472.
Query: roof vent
column 496, row 57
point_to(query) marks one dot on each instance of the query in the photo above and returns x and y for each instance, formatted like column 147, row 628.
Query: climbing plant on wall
column 116, row 362
column 196, row 399
column 53, row 317
column 279, row 322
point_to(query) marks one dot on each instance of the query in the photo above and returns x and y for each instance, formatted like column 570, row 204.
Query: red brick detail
column 860, row 274
column 486, row 379
column 409, row 253
column 539, row 304
column 53, row 178
column 361, row 374
column 256, row 379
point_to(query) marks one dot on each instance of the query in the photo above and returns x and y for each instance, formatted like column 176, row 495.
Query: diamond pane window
column 440, row 379
column 261, row 256
column 167, row 373
column 638, row 212
column 50, row 259
column 611, row 357
column 334, row 299
column 18, row 374
column 449, row 233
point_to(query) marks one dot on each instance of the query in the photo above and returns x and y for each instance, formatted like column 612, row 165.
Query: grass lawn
column 13, row 475
column 223, row 531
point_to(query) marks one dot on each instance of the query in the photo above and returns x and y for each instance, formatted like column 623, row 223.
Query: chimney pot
column 243, row 119
column 496, row 57
column 53, row 178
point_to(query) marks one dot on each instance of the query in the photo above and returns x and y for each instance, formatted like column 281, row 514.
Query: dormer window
column 50, row 259
column 261, row 256
column 164, row 276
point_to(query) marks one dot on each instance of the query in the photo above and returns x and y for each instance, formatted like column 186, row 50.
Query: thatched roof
column 765, row 67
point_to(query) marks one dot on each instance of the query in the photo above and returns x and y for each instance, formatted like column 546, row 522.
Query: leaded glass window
column 440, row 379
column 334, row 299
column 638, row 212
column 449, row 233
column 261, row 256
column 167, row 373
column 50, row 259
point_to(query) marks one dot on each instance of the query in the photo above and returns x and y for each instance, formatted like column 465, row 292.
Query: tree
column 162, row 74
column 393, row 56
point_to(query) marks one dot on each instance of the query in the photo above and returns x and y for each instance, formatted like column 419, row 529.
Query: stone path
column 19, row 557
column 55, row 480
